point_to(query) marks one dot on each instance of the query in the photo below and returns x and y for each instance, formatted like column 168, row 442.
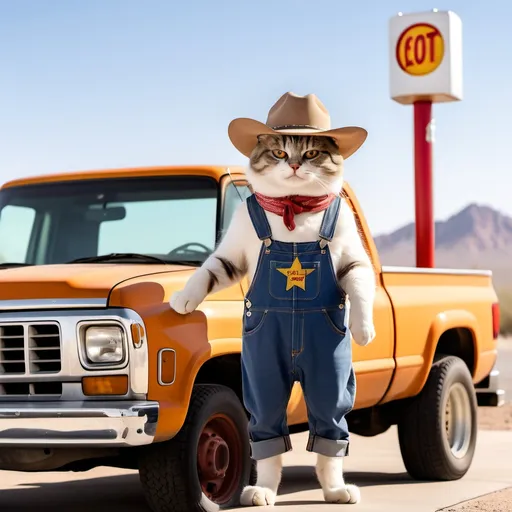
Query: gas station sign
column 420, row 49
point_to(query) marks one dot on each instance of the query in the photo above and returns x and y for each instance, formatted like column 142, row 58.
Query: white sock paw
column 253, row 496
column 185, row 302
column 349, row 494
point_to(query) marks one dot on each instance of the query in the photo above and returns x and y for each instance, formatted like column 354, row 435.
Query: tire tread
column 161, row 469
column 419, row 430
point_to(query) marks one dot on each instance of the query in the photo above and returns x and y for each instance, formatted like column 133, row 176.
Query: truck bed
column 454, row 306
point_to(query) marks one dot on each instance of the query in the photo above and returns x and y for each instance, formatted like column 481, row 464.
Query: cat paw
column 347, row 495
column 257, row 497
column 183, row 303
column 363, row 334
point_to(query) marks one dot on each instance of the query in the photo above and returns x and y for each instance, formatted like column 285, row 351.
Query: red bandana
column 289, row 206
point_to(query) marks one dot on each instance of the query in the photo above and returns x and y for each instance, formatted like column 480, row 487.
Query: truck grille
column 29, row 349
column 28, row 389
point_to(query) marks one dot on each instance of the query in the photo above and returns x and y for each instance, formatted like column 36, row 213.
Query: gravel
column 500, row 501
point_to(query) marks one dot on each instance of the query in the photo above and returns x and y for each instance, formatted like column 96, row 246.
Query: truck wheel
column 207, row 464
column 438, row 430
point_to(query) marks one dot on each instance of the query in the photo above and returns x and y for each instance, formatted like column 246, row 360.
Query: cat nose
column 295, row 167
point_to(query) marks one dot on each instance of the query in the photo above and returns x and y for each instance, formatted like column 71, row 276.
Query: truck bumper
column 488, row 392
column 80, row 424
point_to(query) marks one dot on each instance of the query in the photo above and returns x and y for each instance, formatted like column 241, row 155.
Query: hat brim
column 243, row 133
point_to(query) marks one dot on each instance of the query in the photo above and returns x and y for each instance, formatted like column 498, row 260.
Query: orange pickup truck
column 97, row 369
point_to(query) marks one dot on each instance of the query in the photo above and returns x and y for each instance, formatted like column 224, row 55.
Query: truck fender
column 442, row 322
column 174, row 410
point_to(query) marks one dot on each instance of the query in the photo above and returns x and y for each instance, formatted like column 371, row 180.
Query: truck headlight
column 104, row 344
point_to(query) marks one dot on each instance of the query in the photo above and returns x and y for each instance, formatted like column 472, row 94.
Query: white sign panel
column 425, row 55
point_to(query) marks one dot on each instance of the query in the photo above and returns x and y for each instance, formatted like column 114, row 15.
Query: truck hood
column 73, row 281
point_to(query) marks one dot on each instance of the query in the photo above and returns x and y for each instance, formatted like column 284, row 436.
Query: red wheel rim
column 219, row 458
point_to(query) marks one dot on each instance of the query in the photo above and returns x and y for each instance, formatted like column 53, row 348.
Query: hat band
column 296, row 127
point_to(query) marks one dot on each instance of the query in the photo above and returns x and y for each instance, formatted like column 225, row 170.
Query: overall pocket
column 299, row 280
column 253, row 321
column 337, row 320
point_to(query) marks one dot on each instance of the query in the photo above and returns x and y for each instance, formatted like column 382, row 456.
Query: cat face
column 283, row 165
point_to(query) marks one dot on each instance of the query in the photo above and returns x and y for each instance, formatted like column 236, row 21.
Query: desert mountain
column 477, row 237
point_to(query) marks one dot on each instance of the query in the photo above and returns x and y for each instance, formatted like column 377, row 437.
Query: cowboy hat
column 295, row 115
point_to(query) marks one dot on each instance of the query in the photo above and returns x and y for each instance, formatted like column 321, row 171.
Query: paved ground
column 491, row 418
column 375, row 465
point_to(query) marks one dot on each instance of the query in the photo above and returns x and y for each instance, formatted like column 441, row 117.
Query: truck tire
column 206, row 466
column 438, row 430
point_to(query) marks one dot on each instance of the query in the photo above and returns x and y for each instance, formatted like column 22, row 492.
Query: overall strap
column 329, row 222
column 259, row 220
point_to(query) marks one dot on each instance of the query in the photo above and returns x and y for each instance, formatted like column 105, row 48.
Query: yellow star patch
column 296, row 275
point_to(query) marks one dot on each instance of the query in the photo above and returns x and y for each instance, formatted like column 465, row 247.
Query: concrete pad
column 374, row 464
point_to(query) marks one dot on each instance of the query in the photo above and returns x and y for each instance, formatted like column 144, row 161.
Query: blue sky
column 110, row 83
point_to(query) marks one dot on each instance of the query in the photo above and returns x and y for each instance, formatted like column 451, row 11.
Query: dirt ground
column 495, row 418
column 500, row 501
column 500, row 418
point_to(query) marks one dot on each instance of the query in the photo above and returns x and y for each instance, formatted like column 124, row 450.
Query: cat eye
column 312, row 153
column 279, row 153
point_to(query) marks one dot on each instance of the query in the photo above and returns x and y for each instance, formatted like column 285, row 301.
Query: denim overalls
column 295, row 328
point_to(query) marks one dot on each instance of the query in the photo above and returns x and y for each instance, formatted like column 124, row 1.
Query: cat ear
column 326, row 141
column 267, row 137
column 333, row 141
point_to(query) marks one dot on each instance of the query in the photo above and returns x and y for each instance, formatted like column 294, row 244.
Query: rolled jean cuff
column 327, row 447
column 270, row 447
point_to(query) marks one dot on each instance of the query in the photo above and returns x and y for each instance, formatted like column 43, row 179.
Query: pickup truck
column 97, row 369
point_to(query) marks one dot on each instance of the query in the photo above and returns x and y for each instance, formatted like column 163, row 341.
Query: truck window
column 192, row 220
column 16, row 224
column 171, row 217
column 233, row 195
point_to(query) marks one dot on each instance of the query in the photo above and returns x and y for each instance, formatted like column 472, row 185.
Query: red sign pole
column 425, row 230
column 425, row 67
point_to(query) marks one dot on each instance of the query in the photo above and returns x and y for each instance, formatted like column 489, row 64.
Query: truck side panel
column 374, row 364
column 428, row 303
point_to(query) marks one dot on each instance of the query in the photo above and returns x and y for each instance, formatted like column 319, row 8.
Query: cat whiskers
column 318, row 180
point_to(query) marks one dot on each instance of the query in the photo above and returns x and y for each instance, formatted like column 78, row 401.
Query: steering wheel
column 187, row 249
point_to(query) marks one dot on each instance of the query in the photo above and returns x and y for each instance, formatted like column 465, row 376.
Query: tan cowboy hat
column 295, row 115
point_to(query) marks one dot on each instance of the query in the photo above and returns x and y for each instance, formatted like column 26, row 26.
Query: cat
column 282, row 165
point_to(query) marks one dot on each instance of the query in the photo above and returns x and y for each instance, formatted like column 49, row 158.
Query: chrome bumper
column 78, row 424
column 488, row 392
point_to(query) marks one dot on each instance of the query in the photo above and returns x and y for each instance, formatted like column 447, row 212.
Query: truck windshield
column 172, row 218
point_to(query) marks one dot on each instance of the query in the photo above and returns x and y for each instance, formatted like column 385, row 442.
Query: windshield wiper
column 14, row 265
column 133, row 257
column 116, row 256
